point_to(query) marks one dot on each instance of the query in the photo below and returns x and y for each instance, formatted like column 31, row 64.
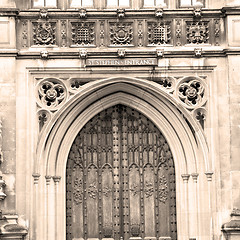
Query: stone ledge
column 10, row 229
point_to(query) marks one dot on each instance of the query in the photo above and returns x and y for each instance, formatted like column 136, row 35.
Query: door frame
column 188, row 146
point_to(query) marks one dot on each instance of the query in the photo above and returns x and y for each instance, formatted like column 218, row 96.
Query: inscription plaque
column 122, row 62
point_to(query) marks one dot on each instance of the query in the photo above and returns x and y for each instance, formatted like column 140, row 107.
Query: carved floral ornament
column 192, row 92
column 51, row 93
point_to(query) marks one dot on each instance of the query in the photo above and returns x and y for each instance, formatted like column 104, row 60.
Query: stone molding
column 10, row 229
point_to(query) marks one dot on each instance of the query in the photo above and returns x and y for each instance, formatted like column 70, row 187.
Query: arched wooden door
column 120, row 179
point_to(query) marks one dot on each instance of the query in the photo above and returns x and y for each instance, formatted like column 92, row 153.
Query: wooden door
column 120, row 179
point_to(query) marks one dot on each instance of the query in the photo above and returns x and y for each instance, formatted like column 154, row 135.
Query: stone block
column 9, row 162
column 235, row 163
column 233, row 31
column 234, row 113
column 235, row 133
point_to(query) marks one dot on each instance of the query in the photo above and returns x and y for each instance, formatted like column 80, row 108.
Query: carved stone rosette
column 51, row 93
column 191, row 92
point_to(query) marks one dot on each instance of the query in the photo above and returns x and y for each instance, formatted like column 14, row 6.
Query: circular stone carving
column 191, row 91
column 51, row 93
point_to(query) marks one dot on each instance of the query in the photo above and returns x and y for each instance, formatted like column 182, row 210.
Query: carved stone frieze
column 197, row 32
column 102, row 33
column 140, row 33
column 191, row 92
column 178, row 32
column 159, row 32
column 83, row 33
column 64, row 33
column 51, row 93
column 217, row 31
column 44, row 33
column 121, row 33
column 25, row 33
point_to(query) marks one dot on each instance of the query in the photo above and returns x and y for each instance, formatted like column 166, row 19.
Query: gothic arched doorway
column 120, row 179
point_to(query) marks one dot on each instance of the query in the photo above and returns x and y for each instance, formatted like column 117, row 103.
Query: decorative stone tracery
column 51, row 93
column 191, row 92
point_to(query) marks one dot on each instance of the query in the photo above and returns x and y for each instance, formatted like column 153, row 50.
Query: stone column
column 185, row 178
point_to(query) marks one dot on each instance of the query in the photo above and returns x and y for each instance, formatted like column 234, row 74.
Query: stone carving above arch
column 51, row 93
column 190, row 92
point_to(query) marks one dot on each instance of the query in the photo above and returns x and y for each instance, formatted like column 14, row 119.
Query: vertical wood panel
column 107, row 200
column 134, row 199
column 92, row 202
column 149, row 201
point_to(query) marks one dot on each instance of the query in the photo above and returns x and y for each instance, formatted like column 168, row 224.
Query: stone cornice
column 74, row 53
column 98, row 53
column 8, row 12
column 107, row 13
column 231, row 10
column 129, row 13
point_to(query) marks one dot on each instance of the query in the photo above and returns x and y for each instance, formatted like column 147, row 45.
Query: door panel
column 120, row 179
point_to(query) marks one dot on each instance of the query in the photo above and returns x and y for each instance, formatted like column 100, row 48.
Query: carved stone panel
column 120, row 179
column 83, row 33
column 44, row 33
column 159, row 33
column 121, row 33
column 197, row 32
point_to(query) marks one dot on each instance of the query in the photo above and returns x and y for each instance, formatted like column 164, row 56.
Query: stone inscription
column 121, row 62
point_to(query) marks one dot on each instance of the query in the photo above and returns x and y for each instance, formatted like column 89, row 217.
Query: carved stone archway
column 184, row 136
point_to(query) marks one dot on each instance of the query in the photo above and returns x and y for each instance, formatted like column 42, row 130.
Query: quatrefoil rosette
column 192, row 92
column 51, row 93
